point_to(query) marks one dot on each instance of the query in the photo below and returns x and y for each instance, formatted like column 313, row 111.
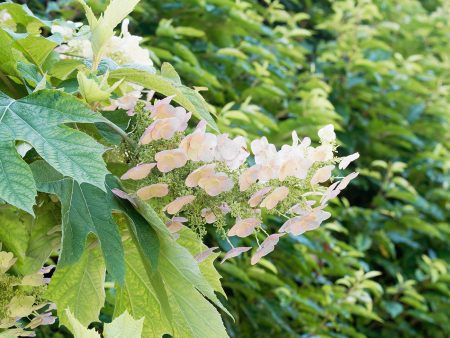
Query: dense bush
column 379, row 70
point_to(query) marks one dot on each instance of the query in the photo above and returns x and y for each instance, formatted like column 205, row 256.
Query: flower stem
column 119, row 131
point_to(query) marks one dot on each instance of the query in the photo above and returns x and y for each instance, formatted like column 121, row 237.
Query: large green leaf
column 123, row 326
column 187, row 97
column 79, row 287
column 8, row 56
column 38, row 120
column 190, row 241
column 31, row 240
column 191, row 315
column 85, row 209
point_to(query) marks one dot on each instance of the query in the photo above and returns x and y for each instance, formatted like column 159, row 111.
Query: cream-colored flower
column 235, row 252
column 258, row 196
column 322, row 175
column 153, row 190
column 244, row 227
column 167, row 160
column 310, row 221
column 296, row 167
column 263, row 150
column 345, row 161
column 216, row 184
column 162, row 109
column 268, row 171
column 200, row 146
column 266, row 247
column 176, row 205
column 248, row 177
column 208, row 215
column 321, row 154
column 164, row 128
column 231, row 151
column 138, row 172
column 126, row 102
column 206, row 170
column 275, row 197
column 66, row 31
column 126, row 49
column 327, row 134
column 176, row 224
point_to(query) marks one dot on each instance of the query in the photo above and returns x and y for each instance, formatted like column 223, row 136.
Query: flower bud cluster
column 199, row 178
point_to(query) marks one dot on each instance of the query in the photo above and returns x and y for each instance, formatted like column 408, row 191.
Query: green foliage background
column 380, row 71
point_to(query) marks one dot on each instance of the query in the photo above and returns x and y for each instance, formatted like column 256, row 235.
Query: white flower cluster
column 291, row 175
column 124, row 49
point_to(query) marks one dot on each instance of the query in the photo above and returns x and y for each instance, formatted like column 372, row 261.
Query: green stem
column 119, row 131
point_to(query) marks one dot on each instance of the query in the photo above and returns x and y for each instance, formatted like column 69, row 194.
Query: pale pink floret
column 248, row 177
column 346, row 180
column 176, row 205
column 235, row 252
column 200, row 145
column 321, row 154
column 267, row 171
column 164, row 128
column 167, row 160
column 244, row 227
column 205, row 254
column 208, row 215
column 258, row 196
column 122, row 194
column 296, row 167
column 310, row 221
column 199, row 173
column 263, row 150
column 345, row 161
column 126, row 102
column 327, row 134
column 231, row 151
column 153, row 190
column 266, row 247
column 331, row 192
column 176, row 224
column 138, row 172
column 216, row 184
column 225, row 208
column 163, row 110
column 322, row 174
column 275, row 197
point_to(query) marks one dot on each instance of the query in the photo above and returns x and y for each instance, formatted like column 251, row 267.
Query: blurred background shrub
column 379, row 70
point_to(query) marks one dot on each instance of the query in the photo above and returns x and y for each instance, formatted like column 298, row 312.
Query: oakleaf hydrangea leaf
column 85, row 209
column 124, row 326
column 79, row 288
column 79, row 330
column 39, row 119
column 190, row 314
column 31, row 239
